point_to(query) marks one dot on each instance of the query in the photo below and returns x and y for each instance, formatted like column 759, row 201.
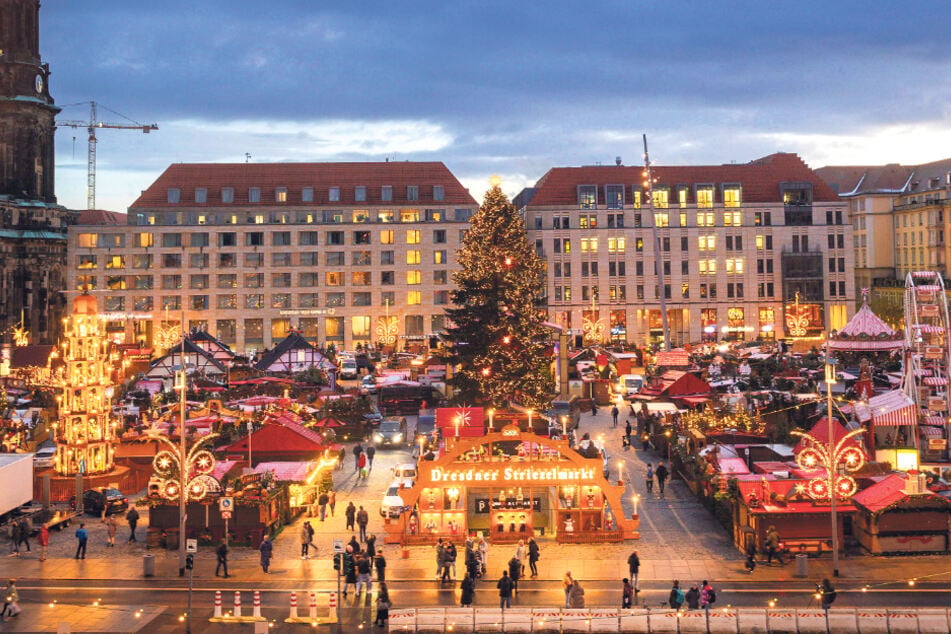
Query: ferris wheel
column 928, row 360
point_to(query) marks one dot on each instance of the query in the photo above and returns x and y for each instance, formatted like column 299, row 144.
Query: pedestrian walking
column 322, row 501
column 11, row 601
column 332, row 501
column 772, row 546
column 566, row 584
column 13, row 534
column 708, row 595
column 634, row 567
column 515, row 572
column 693, row 597
column 379, row 562
column 24, row 528
column 354, row 544
column 362, row 471
column 505, row 590
column 363, row 518
column 521, row 553
column 627, row 594
column 364, row 568
column 82, row 536
column 357, row 452
column 133, row 518
column 351, row 513
column 451, row 559
column 827, row 593
column 594, row 407
column 222, row 555
column 349, row 570
column 267, row 551
column 576, row 596
column 483, row 548
column 750, row 564
column 649, row 478
column 533, row 555
column 341, row 456
column 306, row 539
column 371, row 451
column 614, row 414
column 662, row 475
column 112, row 526
column 627, row 431
column 43, row 539
column 371, row 546
column 676, row 597
column 468, row 591
column 382, row 606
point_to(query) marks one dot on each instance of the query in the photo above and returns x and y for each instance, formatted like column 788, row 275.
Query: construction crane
column 91, row 125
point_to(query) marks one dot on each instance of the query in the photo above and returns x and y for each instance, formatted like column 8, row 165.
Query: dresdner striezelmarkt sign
column 534, row 475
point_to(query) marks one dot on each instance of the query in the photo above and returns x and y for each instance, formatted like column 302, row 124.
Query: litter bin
column 802, row 565
column 148, row 565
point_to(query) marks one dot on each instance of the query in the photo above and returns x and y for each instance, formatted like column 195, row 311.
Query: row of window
column 309, row 217
column 334, row 328
column 281, row 194
column 255, row 301
column 704, row 243
column 734, row 290
column 619, row 269
column 704, row 195
column 144, row 261
column 226, row 239
column 257, row 280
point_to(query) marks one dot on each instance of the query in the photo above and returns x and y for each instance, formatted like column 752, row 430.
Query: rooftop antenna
column 247, row 157
column 617, row 161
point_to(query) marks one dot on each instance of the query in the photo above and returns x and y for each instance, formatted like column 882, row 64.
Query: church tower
column 26, row 107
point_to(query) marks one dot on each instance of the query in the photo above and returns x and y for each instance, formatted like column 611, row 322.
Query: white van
column 348, row 369
column 628, row 384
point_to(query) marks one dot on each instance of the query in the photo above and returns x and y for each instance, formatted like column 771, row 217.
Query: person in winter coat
column 662, row 475
column 533, row 556
column 370, row 546
column 576, row 596
column 23, row 533
column 112, row 526
column 505, row 590
column 379, row 562
column 627, row 594
column 332, row 501
column 267, row 550
column 750, row 564
column 828, row 594
column 707, row 596
column 772, row 546
column 363, row 518
column 382, row 606
column 515, row 572
column 222, row 555
column 521, row 553
column 676, row 597
column 649, row 478
column 566, row 584
column 43, row 539
column 11, row 601
column 693, row 597
column 306, row 539
column 634, row 567
column 322, row 501
column 468, row 591
column 351, row 514
column 133, row 518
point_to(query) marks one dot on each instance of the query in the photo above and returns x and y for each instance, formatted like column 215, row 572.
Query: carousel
column 510, row 485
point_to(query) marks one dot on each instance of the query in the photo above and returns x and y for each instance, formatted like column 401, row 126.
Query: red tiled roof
column 760, row 179
column 295, row 176
column 281, row 436
column 35, row 355
column 101, row 217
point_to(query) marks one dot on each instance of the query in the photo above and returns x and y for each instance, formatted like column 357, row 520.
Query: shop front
column 511, row 485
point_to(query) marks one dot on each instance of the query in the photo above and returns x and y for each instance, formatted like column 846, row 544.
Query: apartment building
column 345, row 253
column 761, row 249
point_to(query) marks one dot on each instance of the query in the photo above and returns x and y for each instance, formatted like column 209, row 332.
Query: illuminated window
column 732, row 219
column 705, row 219
column 708, row 267
column 280, row 194
column 88, row 239
column 588, row 196
column 412, row 236
column 682, row 196
column 704, row 196
column 361, row 215
column 409, row 215
column 386, row 215
column 144, row 240
column 588, row 221
column 734, row 265
column 661, row 219
column 661, row 198
column 386, row 236
column 439, row 257
column 617, row 245
column 636, row 197
column 731, row 195
column 414, row 298
column 361, row 278
column 589, row 245
column 413, row 277
column 707, row 243
column 332, row 278
column 86, row 262
column 413, row 257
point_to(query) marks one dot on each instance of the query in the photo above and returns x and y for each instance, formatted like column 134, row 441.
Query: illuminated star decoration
column 817, row 456
column 199, row 463
column 386, row 329
column 21, row 336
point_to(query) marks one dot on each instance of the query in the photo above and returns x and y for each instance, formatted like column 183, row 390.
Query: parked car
column 392, row 505
column 405, row 474
column 109, row 500
column 348, row 369
column 44, row 457
column 392, row 433
column 368, row 385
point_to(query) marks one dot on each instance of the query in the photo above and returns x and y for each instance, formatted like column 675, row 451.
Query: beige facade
column 738, row 245
column 347, row 254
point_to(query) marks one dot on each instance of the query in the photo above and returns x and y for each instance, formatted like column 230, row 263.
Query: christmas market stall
column 509, row 485
column 303, row 480
column 898, row 514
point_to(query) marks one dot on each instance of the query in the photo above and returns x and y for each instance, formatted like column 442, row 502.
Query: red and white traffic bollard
column 333, row 607
column 293, row 614
column 217, row 614
column 313, row 605
column 256, row 610
column 237, row 603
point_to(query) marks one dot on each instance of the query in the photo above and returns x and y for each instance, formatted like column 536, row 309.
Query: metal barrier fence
column 666, row 621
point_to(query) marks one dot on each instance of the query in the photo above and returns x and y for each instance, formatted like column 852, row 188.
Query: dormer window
column 307, row 195
column 360, row 193
column 254, row 194
column 333, row 194
column 280, row 195
column 201, row 195
column 439, row 192
column 174, row 195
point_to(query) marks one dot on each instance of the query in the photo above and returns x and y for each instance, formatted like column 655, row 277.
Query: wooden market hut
column 898, row 514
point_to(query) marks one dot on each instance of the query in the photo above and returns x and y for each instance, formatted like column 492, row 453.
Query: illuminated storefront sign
column 548, row 475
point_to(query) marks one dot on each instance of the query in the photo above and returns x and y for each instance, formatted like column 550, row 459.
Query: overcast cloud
column 512, row 88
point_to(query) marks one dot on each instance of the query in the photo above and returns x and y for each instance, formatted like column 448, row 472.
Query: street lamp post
column 182, row 497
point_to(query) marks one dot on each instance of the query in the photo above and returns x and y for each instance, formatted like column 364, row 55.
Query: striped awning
column 928, row 288
column 935, row 380
column 923, row 372
column 676, row 358
column 932, row 432
column 928, row 328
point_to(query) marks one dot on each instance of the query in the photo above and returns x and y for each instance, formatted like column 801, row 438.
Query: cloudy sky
column 488, row 87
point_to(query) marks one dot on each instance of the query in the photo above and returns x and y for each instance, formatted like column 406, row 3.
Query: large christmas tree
column 495, row 338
